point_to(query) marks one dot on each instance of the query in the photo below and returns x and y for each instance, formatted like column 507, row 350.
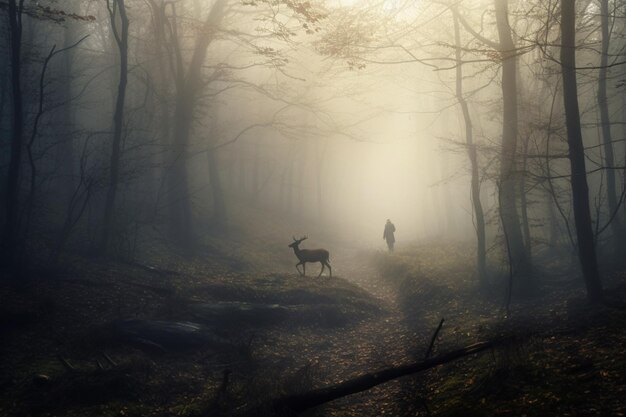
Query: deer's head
column 296, row 242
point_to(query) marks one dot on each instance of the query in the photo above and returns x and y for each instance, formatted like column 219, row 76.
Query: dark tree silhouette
column 520, row 259
column 605, row 121
column 481, row 250
column 508, row 200
column 188, row 82
column 580, row 190
column 120, row 33
column 10, row 228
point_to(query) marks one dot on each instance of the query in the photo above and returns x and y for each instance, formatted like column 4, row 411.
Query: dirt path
column 374, row 344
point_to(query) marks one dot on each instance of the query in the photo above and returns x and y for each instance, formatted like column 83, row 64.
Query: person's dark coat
column 390, row 229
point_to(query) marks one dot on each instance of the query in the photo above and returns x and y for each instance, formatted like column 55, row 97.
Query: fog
column 371, row 144
column 334, row 116
column 164, row 165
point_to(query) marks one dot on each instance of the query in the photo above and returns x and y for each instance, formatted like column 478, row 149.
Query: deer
column 310, row 255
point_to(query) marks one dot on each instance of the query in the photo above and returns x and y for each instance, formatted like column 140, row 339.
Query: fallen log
column 304, row 401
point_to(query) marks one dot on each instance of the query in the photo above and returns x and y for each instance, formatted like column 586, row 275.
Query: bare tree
column 188, row 82
column 580, row 190
column 506, row 47
column 507, row 181
column 116, row 9
column 10, row 228
column 481, row 250
column 605, row 121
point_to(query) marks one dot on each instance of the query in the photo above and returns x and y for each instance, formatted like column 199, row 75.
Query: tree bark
column 159, row 21
column 10, row 228
column 3, row 97
column 580, row 191
column 65, row 158
column 524, row 199
column 121, row 39
column 605, row 121
column 481, row 250
column 508, row 198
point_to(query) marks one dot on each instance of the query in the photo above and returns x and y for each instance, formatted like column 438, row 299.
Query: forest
column 452, row 172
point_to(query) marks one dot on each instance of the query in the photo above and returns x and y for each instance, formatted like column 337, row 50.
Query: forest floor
column 223, row 335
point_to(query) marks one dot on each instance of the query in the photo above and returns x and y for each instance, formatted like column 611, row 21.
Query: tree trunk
column 178, row 190
column 3, row 97
column 300, row 204
column 10, row 229
column 164, row 80
column 65, row 158
column 256, row 175
column 580, row 191
column 241, row 179
column 219, row 207
column 321, row 154
column 230, row 172
column 289, row 184
column 281, row 189
column 609, row 159
column 523, row 198
column 481, row 251
column 189, row 84
column 553, row 234
column 508, row 197
column 121, row 38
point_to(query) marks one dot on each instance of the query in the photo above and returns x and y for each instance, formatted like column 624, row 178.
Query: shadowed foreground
column 195, row 338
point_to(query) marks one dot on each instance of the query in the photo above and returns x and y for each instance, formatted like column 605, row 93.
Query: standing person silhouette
column 390, row 229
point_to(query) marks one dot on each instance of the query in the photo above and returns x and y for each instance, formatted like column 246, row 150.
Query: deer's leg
column 322, row 263
column 304, row 269
column 299, row 263
column 329, row 268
